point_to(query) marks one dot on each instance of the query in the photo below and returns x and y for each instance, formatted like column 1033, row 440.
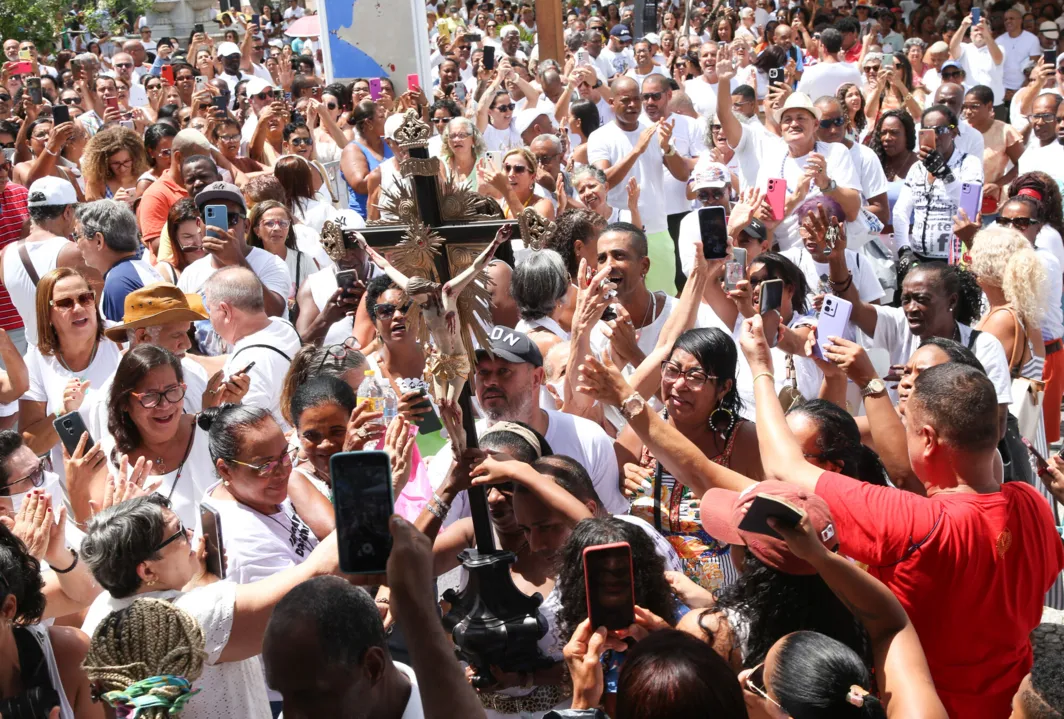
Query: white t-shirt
column 575, row 437
column 825, row 78
column 1018, row 50
column 259, row 545
column 893, row 334
column 271, row 349
column 229, row 690
column 501, row 140
column 980, row 69
column 1048, row 159
column 688, row 139
column 808, row 376
column 776, row 162
column 612, row 144
column 48, row 380
column 703, row 95
column 197, row 475
column 816, row 273
column 619, row 62
column 268, row 267
column 1052, row 325
column 308, row 241
column 638, row 77
column 869, row 170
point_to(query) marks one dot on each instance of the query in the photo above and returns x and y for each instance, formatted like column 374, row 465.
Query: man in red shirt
column 850, row 30
column 970, row 562
column 14, row 217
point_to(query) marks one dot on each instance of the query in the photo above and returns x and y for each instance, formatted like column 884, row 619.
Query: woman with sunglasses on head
column 462, row 151
column 441, row 112
column 930, row 197
column 147, row 425
column 158, row 139
column 70, row 358
column 140, row 549
column 495, row 117
column 112, row 161
column 273, row 230
column 364, row 154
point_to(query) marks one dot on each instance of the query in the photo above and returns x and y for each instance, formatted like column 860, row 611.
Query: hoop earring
column 731, row 419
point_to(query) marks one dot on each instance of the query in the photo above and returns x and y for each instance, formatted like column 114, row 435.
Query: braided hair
column 149, row 638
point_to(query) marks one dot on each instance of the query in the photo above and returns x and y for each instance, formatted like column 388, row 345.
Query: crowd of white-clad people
column 793, row 342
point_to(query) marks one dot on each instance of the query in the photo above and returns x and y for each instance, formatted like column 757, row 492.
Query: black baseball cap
column 512, row 346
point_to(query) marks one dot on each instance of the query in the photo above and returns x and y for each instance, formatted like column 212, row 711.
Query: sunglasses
column 172, row 394
column 267, row 468
column 942, row 129
column 951, row 73
column 1020, row 223
column 123, row 64
column 652, row 96
column 876, row 68
column 85, row 299
column 181, row 532
column 4, row 97
column 265, row 95
column 331, row 105
column 300, row 141
column 441, row 120
column 505, row 108
column 516, row 169
column 828, row 124
column 705, row 195
column 36, row 478
column 387, row 309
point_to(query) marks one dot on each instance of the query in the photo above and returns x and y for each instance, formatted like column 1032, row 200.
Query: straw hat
column 157, row 304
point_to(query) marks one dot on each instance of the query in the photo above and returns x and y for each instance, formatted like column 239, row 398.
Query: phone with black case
column 211, row 528
column 33, row 89
column 362, row 499
column 60, row 114
column 609, row 585
column 713, row 226
column 765, row 506
column 70, row 427
column 489, row 57
column 771, row 299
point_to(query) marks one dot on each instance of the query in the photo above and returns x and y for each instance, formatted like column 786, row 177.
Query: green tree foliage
column 37, row 20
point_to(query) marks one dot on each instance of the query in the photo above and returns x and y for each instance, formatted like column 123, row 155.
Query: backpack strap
column 268, row 347
column 24, row 255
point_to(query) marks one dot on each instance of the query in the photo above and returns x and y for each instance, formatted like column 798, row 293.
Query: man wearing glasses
column 124, row 69
column 1044, row 153
column 260, row 94
column 234, row 298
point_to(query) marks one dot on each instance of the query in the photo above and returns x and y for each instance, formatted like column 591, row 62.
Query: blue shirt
column 125, row 276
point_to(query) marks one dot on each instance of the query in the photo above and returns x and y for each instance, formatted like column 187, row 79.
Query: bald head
column 238, row 287
column 624, row 84
column 951, row 95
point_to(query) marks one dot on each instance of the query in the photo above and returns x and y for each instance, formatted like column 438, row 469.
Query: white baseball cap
column 256, row 85
column 52, row 191
column 713, row 176
column 392, row 125
column 226, row 49
column 653, row 38
column 524, row 119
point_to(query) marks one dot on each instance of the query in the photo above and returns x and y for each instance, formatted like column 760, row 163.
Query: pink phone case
column 413, row 84
column 375, row 88
column 777, row 197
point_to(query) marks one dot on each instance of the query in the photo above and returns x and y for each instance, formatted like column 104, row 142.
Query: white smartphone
column 832, row 322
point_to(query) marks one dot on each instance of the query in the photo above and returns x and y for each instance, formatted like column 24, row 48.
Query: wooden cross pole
column 461, row 221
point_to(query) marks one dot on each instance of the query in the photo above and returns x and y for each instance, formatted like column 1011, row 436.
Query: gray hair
column 114, row 220
column 913, row 42
column 479, row 146
column 555, row 142
column 575, row 41
column 589, row 171
column 236, row 286
column 119, row 538
column 538, row 283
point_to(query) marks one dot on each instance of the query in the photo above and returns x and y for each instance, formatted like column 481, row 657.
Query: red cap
column 722, row 510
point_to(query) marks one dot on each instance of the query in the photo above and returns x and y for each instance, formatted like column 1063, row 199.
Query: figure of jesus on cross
column 449, row 362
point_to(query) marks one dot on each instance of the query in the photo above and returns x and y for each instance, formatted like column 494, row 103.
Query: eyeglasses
column 72, row 100
column 276, row 224
column 386, row 309
column 1020, row 223
column 338, row 352
column 181, row 532
column 516, row 169
column 300, row 141
column 114, row 164
column 172, row 394
column 441, row 120
column 36, row 478
column 1042, row 117
column 652, row 96
column 505, row 108
column 828, row 124
column 460, row 136
column 705, row 195
column 755, row 682
column 85, row 299
column 696, row 378
column 229, row 138
column 267, row 468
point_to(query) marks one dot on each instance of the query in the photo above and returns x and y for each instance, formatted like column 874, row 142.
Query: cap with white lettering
column 512, row 346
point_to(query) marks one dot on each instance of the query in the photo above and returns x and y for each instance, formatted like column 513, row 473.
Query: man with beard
column 1045, row 153
column 508, row 383
column 633, row 147
column 688, row 140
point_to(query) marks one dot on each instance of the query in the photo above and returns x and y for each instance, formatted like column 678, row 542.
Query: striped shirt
column 13, row 213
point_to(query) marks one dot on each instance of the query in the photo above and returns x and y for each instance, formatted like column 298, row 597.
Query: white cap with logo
column 51, row 191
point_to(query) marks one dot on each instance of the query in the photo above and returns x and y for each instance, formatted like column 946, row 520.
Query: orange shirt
column 155, row 205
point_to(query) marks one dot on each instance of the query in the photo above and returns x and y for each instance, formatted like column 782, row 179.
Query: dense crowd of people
column 869, row 341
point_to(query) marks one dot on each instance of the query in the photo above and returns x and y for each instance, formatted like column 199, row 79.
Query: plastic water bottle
column 370, row 391
column 391, row 404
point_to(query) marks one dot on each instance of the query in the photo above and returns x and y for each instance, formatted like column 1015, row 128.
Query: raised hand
column 399, row 444
column 602, row 381
column 363, row 428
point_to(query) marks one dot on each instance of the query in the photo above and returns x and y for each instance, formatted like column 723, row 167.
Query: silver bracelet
column 436, row 511
column 445, row 506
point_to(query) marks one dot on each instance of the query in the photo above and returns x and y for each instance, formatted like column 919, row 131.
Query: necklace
column 59, row 357
column 651, row 306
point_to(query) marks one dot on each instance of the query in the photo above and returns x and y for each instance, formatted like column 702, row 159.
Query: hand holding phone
column 927, row 140
column 765, row 506
column 211, row 529
column 60, row 114
column 832, row 322
column 771, row 300
column 713, row 227
column 375, row 88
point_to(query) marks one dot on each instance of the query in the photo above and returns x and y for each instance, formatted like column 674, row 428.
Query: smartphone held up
column 363, row 501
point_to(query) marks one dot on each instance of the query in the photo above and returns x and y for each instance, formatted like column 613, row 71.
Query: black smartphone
column 428, row 422
column 713, row 226
column 255, row 20
column 489, row 57
column 471, row 37
column 60, row 114
column 33, row 89
column 220, row 103
column 609, row 585
column 1050, row 56
column 346, row 279
column 70, row 427
column 769, row 309
column 776, row 74
column 211, row 525
column 765, row 506
column 246, row 369
column 362, row 499
column 198, row 27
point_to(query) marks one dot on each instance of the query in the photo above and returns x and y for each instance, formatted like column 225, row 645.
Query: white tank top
column 44, row 254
